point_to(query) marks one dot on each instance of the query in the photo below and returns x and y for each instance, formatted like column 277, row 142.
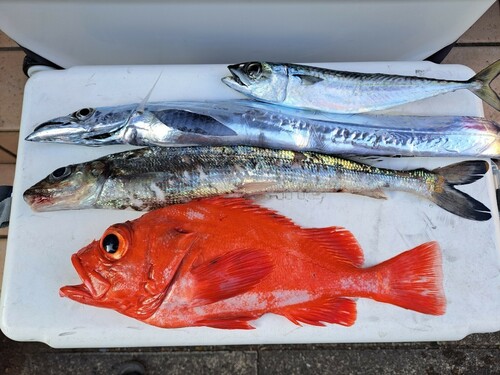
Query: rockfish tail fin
column 485, row 92
column 452, row 200
column 413, row 280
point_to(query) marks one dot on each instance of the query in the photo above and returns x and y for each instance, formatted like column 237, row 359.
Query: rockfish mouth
column 93, row 286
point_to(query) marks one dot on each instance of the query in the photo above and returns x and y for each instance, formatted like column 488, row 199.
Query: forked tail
column 447, row 197
column 485, row 92
column 413, row 280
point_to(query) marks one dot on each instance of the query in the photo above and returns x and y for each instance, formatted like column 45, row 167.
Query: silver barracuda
column 244, row 122
column 149, row 178
column 335, row 91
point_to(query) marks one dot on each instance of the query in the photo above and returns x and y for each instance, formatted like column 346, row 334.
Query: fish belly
column 358, row 96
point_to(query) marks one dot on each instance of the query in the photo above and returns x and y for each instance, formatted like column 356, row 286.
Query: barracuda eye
column 253, row 70
column 60, row 173
column 114, row 242
column 83, row 113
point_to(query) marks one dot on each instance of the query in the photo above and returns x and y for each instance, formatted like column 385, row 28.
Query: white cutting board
column 40, row 244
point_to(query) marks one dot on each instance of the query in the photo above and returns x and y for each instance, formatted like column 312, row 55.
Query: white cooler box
column 40, row 244
column 77, row 32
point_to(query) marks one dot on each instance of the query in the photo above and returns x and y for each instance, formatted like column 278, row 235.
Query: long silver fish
column 336, row 91
column 149, row 178
column 244, row 122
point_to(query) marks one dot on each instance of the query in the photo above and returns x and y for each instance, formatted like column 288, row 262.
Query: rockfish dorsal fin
column 337, row 242
column 247, row 205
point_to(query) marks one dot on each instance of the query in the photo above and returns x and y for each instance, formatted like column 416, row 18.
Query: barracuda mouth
column 36, row 200
column 45, row 200
column 93, row 289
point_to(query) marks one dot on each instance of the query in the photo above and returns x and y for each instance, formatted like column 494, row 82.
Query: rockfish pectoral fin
column 334, row 310
column 230, row 275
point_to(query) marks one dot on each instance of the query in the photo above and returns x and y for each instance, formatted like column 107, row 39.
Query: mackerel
column 303, row 86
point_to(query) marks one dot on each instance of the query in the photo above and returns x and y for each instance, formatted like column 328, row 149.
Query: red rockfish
column 223, row 262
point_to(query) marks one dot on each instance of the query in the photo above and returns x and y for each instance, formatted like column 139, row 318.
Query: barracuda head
column 73, row 187
column 259, row 80
column 87, row 126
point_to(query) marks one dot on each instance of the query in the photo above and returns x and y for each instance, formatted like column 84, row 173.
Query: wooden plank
column 478, row 58
column 486, row 29
column 12, row 81
column 9, row 141
column 6, row 157
column 7, row 174
column 6, row 42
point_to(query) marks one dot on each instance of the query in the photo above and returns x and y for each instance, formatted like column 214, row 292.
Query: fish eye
column 60, row 173
column 114, row 242
column 253, row 70
column 110, row 243
column 83, row 113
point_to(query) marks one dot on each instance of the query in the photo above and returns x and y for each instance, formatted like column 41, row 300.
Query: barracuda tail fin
column 455, row 201
column 485, row 77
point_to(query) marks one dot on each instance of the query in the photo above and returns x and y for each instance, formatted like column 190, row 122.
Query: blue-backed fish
column 337, row 91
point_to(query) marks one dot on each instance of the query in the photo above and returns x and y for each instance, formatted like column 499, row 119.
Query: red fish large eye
column 114, row 243
column 110, row 243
